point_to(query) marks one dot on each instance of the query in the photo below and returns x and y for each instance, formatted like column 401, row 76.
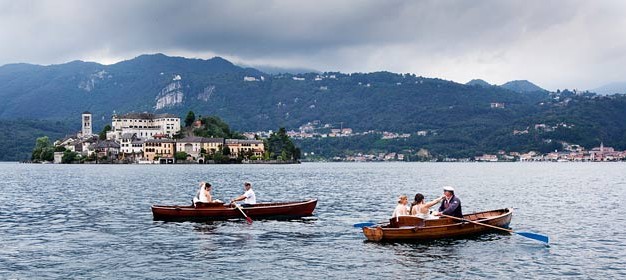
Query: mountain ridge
column 461, row 116
column 611, row 88
column 522, row 86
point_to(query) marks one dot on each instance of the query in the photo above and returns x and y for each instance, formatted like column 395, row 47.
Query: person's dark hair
column 418, row 198
column 207, row 185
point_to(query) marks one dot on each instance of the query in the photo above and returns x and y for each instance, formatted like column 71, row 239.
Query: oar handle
column 473, row 222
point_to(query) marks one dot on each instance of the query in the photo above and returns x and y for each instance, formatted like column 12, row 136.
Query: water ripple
column 78, row 221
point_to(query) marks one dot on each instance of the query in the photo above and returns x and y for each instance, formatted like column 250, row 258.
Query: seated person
column 419, row 208
column 248, row 196
column 451, row 205
column 204, row 194
column 401, row 208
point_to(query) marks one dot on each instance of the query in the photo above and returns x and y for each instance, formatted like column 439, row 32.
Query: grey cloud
column 458, row 40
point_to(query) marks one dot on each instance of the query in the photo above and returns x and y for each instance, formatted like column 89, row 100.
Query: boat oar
column 244, row 214
column 364, row 224
column 531, row 235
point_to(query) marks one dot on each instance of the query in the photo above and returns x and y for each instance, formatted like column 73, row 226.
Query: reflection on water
column 77, row 221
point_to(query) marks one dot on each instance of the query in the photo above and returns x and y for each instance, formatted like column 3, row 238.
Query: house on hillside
column 497, row 105
column 106, row 148
column 194, row 145
column 245, row 147
column 131, row 147
column 161, row 149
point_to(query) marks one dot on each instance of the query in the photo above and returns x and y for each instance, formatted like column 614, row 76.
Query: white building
column 145, row 125
column 131, row 144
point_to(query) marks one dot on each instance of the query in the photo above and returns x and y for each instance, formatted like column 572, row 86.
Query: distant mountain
column 478, row 82
column 522, row 86
column 457, row 119
column 246, row 98
column 283, row 70
column 612, row 88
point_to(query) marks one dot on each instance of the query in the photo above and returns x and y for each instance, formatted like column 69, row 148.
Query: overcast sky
column 555, row 44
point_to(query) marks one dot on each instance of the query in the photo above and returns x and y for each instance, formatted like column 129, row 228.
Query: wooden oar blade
column 536, row 236
column 249, row 220
column 365, row 224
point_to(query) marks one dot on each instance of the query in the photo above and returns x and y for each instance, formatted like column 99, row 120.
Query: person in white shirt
column 248, row 196
column 401, row 209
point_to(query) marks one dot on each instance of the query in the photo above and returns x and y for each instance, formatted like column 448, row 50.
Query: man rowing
column 248, row 196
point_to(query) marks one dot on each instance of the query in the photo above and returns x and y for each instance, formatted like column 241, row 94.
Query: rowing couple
column 450, row 205
column 204, row 195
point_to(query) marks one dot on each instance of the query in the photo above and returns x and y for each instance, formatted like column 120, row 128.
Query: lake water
column 94, row 221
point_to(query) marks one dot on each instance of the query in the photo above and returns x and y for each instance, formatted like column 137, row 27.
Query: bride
column 419, row 208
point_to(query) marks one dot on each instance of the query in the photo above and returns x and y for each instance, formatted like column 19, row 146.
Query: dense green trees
column 191, row 117
column 43, row 151
column 69, row 157
column 180, row 156
column 280, row 147
column 19, row 136
column 214, row 127
column 103, row 133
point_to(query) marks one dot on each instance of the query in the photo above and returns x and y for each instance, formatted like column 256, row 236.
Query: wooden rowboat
column 411, row 228
column 221, row 211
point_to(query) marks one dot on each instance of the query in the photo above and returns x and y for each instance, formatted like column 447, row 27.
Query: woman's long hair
column 418, row 199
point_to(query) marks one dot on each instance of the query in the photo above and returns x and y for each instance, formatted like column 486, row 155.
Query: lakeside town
column 570, row 152
column 150, row 138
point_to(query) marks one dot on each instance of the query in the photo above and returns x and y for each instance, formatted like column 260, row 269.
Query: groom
column 451, row 205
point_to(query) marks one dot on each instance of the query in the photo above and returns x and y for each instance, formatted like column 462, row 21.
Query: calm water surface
column 94, row 221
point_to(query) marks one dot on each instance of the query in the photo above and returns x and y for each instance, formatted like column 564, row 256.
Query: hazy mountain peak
column 478, row 82
column 612, row 88
column 522, row 86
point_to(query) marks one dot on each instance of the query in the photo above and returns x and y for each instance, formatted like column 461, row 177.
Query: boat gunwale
column 226, row 206
column 508, row 211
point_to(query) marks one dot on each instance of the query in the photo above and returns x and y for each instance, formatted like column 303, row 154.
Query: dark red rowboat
column 220, row 211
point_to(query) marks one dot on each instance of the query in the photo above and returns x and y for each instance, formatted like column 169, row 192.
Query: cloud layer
column 556, row 44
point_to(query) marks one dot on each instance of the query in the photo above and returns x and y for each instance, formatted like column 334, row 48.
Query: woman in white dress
column 402, row 208
column 419, row 208
column 204, row 193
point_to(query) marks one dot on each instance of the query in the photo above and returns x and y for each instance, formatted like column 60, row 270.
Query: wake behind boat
column 221, row 211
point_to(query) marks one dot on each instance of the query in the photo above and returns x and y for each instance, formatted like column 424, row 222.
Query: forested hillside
column 18, row 136
column 461, row 119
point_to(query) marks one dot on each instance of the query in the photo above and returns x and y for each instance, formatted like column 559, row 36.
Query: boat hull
column 410, row 228
column 219, row 211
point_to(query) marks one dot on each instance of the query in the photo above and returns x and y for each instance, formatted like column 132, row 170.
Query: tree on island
column 191, row 117
column 69, row 157
column 280, row 147
column 103, row 133
column 44, row 151
column 214, row 127
column 180, row 156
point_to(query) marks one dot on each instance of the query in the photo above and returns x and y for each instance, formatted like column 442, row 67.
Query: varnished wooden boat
column 221, row 211
column 410, row 228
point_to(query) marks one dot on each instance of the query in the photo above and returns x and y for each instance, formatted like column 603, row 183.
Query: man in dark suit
column 451, row 205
